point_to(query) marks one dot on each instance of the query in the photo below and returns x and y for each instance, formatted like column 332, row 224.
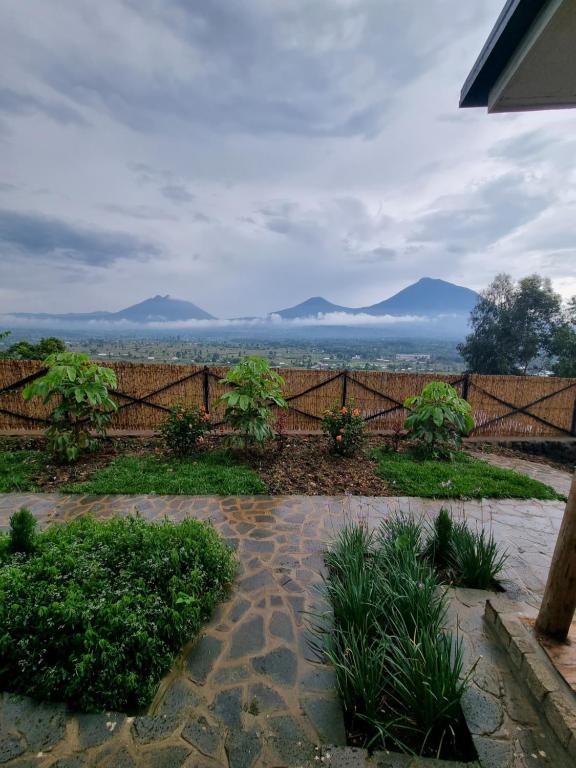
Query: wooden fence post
column 206, row 387
column 344, row 387
column 559, row 601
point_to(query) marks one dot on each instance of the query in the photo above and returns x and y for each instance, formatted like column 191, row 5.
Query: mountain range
column 426, row 299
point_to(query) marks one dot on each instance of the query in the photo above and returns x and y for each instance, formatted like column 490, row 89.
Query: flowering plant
column 345, row 429
column 184, row 429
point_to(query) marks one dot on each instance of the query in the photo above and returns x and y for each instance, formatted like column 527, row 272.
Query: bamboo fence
column 502, row 406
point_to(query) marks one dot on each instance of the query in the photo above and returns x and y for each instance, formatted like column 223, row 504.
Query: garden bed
column 289, row 465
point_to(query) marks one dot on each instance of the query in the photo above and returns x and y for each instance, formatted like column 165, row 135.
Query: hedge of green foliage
column 94, row 614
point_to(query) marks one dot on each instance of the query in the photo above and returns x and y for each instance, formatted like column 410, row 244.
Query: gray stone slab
column 202, row 658
column 280, row 665
column 243, row 748
column 248, row 638
column 203, row 736
column 227, row 707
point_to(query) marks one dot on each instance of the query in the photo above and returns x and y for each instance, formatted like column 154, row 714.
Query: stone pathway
column 556, row 478
column 250, row 692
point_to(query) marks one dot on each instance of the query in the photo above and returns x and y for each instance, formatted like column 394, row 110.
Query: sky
column 245, row 156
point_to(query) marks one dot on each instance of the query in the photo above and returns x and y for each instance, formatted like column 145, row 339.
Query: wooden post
column 559, row 601
column 344, row 387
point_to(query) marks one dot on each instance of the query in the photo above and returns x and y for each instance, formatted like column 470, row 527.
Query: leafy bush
column 184, row 429
column 345, row 429
column 83, row 405
column 96, row 614
column 439, row 419
column 399, row 674
column 22, row 532
column 255, row 388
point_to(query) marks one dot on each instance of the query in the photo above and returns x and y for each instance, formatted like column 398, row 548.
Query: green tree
column 25, row 350
column 512, row 326
column 83, row 404
column 563, row 343
column 255, row 388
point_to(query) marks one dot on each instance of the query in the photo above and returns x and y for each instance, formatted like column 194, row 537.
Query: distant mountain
column 427, row 297
column 312, row 307
column 156, row 309
column 162, row 309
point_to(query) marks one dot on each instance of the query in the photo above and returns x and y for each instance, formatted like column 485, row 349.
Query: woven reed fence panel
column 548, row 405
column 502, row 405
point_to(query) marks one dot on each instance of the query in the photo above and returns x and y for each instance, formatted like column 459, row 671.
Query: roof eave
column 515, row 20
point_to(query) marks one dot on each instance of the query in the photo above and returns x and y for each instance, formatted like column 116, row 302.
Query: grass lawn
column 17, row 470
column 211, row 473
column 465, row 477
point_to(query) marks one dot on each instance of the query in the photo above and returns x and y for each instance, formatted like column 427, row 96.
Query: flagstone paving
column 250, row 691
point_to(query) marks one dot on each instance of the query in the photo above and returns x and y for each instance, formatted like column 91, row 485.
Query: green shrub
column 83, row 405
column 439, row 419
column 22, row 531
column 96, row 614
column 184, row 428
column 476, row 558
column 345, row 429
column 255, row 389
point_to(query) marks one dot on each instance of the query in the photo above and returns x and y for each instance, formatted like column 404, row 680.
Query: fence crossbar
column 522, row 408
column 22, row 382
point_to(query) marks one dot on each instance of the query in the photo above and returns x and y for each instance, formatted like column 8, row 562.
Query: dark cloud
column 478, row 218
column 177, row 193
column 30, row 235
column 141, row 212
column 316, row 69
column 12, row 102
column 377, row 255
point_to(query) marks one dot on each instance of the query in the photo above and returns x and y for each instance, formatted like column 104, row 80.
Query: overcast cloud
column 246, row 156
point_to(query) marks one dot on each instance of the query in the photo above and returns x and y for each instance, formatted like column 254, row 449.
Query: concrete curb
column 556, row 700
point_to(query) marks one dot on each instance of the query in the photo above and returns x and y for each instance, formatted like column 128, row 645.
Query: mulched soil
column 299, row 465
column 302, row 465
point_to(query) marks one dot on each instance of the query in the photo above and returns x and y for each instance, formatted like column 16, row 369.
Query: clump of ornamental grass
column 462, row 555
column 476, row 558
column 399, row 672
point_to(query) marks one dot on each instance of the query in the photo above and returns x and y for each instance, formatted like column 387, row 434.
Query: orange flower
column 338, row 438
column 344, row 411
column 355, row 412
column 200, row 440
